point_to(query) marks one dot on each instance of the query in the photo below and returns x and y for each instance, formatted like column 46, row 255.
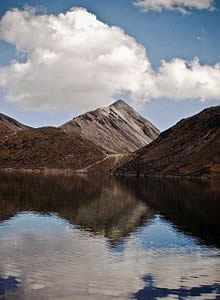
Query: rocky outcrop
column 117, row 128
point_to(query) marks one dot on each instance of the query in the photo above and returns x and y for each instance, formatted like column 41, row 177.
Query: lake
column 97, row 238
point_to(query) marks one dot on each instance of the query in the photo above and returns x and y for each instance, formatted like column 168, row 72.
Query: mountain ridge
column 191, row 148
column 8, row 124
column 23, row 147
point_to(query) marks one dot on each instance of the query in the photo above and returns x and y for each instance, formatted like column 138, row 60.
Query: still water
column 93, row 238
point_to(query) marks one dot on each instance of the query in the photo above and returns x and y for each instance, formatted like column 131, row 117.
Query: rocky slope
column 190, row 148
column 8, row 124
column 116, row 128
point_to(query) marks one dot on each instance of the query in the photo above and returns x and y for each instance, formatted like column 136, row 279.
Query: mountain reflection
column 108, row 238
column 115, row 208
column 192, row 206
column 101, row 206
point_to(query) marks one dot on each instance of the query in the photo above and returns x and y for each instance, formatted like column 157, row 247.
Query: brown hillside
column 190, row 148
column 47, row 148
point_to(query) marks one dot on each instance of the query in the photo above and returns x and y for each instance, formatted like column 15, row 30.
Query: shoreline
column 69, row 172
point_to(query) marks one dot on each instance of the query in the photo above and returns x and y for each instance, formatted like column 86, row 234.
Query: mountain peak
column 116, row 128
column 119, row 103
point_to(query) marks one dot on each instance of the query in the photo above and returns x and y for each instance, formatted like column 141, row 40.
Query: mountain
column 116, row 128
column 89, row 144
column 48, row 147
column 8, row 124
column 190, row 148
column 96, row 142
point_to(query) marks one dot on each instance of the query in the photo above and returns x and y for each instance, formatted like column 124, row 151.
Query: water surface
column 102, row 238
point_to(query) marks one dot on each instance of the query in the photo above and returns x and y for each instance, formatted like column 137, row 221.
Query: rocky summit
column 117, row 128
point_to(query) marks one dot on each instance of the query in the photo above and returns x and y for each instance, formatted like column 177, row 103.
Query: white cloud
column 183, row 6
column 74, row 61
column 179, row 79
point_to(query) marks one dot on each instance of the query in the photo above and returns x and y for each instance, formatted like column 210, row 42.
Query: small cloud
column 35, row 9
column 182, row 6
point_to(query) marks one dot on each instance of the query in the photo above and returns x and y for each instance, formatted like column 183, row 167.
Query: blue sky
column 165, row 35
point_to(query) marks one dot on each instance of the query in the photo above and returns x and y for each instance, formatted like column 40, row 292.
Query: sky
column 59, row 59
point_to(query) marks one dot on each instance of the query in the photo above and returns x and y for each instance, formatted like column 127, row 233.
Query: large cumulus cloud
column 74, row 61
